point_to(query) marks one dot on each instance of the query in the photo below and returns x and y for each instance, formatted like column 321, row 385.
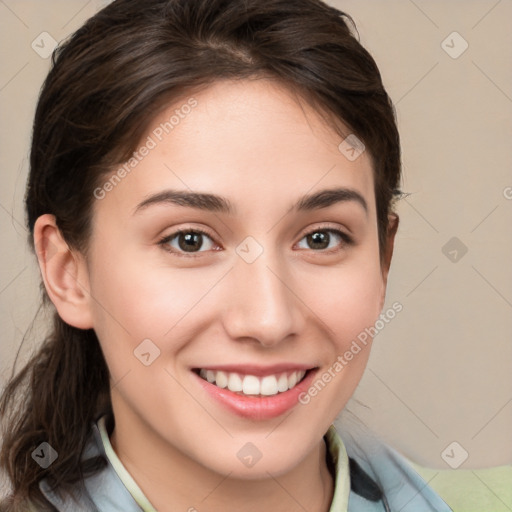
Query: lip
column 257, row 407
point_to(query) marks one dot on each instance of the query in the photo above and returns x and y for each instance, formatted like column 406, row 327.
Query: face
column 219, row 316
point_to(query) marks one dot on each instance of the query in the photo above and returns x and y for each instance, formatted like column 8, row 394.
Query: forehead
column 252, row 141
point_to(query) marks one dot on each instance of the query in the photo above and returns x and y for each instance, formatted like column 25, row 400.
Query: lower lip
column 258, row 407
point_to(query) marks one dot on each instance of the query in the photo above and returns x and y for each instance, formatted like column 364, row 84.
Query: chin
column 243, row 459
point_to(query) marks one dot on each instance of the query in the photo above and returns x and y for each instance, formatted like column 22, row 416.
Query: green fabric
column 471, row 490
column 335, row 448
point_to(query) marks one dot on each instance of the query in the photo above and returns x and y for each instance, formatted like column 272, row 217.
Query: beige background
column 441, row 370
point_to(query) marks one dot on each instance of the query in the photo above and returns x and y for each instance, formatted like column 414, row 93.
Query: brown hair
column 107, row 82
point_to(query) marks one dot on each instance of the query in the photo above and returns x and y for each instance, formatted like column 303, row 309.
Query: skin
column 252, row 142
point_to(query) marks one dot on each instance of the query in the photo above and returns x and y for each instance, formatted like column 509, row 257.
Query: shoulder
column 102, row 490
column 404, row 489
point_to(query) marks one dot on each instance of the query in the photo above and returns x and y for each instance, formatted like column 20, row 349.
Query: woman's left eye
column 320, row 239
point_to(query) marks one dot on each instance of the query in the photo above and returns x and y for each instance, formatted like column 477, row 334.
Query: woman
column 210, row 201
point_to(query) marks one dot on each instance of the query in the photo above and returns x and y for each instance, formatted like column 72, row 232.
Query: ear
column 64, row 273
column 393, row 221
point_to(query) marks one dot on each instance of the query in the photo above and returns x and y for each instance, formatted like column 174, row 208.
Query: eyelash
column 347, row 240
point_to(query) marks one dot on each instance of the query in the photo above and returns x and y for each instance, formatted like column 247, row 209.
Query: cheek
column 143, row 319
column 348, row 303
column 134, row 302
column 346, row 299
column 142, row 301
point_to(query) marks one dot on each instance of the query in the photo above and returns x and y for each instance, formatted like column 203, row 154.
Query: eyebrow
column 215, row 203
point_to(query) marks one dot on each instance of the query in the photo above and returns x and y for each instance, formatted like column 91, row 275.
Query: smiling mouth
column 252, row 385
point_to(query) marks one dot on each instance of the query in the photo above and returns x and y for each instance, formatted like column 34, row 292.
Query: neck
column 172, row 481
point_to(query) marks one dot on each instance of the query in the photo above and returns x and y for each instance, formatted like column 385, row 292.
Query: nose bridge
column 263, row 306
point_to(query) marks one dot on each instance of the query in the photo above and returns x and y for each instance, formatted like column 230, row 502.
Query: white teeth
column 282, row 383
column 269, row 385
column 234, row 382
column 221, row 379
column 252, row 385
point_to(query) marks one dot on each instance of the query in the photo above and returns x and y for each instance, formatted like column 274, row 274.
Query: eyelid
column 326, row 226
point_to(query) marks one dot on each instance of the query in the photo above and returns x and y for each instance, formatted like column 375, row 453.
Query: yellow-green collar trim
column 122, row 472
column 335, row 447
column 339, row 457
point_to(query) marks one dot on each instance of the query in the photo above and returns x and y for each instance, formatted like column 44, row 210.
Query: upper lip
column 257, row 370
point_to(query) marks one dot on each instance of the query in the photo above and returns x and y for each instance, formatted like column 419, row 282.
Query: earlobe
column 393, row 222
column 64, row 273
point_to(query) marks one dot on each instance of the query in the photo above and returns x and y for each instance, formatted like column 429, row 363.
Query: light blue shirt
column 113, row 489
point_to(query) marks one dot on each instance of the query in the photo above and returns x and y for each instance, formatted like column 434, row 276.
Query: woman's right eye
column 187, row 242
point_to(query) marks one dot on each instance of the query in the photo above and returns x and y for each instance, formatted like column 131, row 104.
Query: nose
column 262, row 304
